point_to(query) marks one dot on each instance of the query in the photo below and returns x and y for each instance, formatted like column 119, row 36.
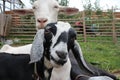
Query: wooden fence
column 5, row 24
column 97, row 30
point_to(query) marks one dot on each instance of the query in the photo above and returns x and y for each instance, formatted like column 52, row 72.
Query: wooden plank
column 5, row 24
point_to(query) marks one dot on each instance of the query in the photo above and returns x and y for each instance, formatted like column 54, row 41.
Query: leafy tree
column 97, row 8
column 88, row 8
column 63, row 2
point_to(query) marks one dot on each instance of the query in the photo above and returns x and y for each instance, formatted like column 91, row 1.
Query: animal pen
column 20, row 29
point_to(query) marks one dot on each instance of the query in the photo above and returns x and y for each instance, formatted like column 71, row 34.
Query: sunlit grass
column 106, row 55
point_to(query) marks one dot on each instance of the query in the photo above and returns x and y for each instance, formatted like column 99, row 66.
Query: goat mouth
column 60, row 61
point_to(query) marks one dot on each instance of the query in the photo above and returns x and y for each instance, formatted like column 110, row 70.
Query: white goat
column 45, row 11
column 16, row 50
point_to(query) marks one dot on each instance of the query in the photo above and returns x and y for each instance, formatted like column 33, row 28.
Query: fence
column 94, row 29
column 98, row 28
column 5, row 24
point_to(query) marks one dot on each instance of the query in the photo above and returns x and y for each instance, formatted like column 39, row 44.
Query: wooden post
column 113, row 28
column 84, row 29
column 3, row 6
column 5, row 25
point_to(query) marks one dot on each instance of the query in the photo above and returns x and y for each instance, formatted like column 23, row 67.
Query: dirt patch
column 117, row 73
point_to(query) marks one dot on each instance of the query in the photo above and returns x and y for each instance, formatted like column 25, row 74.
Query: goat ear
column 23, row 11
column 68, row 10
column 77, row 52
column 37, row 47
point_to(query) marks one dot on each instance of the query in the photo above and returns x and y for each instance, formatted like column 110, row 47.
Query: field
column 103, row 55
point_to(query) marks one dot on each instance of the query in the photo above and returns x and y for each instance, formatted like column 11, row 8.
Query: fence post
column 84, row 29
column 5, row 24
column 114, row 28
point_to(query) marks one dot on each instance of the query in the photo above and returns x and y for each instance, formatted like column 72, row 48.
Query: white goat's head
column 46, row 11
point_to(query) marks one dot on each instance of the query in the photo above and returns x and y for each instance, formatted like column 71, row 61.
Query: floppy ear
column 23, row 11
column 77, row 52
column 37, row 47
column 68, row 10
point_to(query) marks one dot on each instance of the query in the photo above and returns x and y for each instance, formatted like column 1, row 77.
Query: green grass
column 105, row 55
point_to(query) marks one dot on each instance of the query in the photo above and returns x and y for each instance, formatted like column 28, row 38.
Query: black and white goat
column 58, row 64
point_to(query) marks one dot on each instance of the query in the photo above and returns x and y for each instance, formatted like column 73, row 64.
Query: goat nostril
column 45, row 20
column 61, row 54
column 42, row 20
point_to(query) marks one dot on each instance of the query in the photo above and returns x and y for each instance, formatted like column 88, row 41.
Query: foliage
column 88, row 8
column 97, row 8
column 63, row 2
column 65, row 16
column 110, row 13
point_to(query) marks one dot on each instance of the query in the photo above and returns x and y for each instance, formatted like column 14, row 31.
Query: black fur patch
column 62, row 38
column 52, row 28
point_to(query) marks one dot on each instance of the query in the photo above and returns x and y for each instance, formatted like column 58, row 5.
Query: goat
column 15, row 67
column 16, row 50
column 59, row 39
column 54, row 63
column 45, row 12
column 42, row 9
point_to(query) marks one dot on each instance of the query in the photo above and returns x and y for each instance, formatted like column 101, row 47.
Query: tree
column 97, row 7
column 88, row 8
column 63, row 2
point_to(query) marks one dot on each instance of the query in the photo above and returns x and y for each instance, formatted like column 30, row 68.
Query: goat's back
column 15, row 67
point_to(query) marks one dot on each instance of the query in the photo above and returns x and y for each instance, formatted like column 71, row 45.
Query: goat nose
column 42, row 20
column 61, row 54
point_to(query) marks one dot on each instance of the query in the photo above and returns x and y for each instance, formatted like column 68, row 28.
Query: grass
column 105, row 55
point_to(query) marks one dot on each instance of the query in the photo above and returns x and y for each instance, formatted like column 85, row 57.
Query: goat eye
column 47, row 31
column 34, row 7
column 56, row 6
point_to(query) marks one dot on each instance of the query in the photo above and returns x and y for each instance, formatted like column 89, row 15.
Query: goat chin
column 62, row 72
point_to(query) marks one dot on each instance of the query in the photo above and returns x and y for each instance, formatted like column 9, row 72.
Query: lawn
column 103, row 55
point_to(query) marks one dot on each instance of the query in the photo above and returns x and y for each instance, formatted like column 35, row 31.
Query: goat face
column 45, row 12
column 58, row 38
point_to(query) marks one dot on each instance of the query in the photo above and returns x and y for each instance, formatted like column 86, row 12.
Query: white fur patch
column 62, row 73
column 17, row 50
column 100, row 78
column 61, row 27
